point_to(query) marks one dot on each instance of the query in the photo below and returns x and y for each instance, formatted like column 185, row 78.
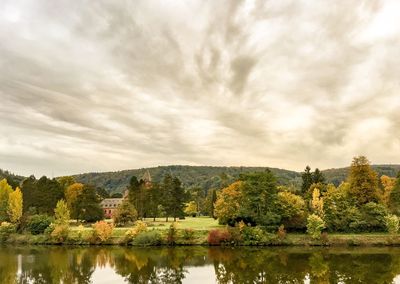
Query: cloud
column 105, row 85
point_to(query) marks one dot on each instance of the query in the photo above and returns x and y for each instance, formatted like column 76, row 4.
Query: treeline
column 362, row 203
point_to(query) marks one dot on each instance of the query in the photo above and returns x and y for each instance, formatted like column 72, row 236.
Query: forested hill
column 191, row 176
column 211, row 177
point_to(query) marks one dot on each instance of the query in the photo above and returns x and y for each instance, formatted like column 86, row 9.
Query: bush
column 37, row 224
column 253, row 236
column 6, row 229
column 315, row 225
column 149, row 238
column 172, row 233
column 60, row 233
column 188, row 234
column 102, row 231
column 217, row 237
column 392, row 223
column 140, row 227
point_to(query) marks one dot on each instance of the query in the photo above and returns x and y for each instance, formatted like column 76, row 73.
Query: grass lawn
column 195, row 223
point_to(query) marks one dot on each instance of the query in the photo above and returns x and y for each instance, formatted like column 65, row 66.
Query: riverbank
column 158, row 237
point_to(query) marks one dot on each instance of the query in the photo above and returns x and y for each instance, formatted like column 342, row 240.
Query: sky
column 109, row 85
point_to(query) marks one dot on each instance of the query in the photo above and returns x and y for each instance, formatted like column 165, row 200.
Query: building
column 110, row 205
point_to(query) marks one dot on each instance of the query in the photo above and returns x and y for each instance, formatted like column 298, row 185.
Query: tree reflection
column 227, row 265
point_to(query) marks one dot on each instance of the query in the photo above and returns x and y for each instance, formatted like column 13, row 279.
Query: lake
column 203, row 265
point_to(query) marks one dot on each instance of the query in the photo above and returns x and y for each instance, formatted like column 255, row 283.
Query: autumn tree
column 363, row 181
column 394, row 198
column 5, row 191
column 388, row 184
column 292, row 209
column 317, row 203
column 228, row 203
column 61, row 213
column 72, row 194
column 191, row 209
column 14, row 208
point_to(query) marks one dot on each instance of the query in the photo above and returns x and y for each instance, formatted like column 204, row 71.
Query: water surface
column 198, row 265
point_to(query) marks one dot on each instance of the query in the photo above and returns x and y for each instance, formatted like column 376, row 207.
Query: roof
column 111, row 202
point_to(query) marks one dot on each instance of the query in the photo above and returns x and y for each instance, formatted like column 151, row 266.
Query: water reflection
column 198, row 265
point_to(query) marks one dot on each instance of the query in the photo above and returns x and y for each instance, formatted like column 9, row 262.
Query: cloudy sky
column 110, row 85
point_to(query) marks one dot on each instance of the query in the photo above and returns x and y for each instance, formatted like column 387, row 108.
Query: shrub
column 140, row 227
column 218, row 237
column 315, row 225
column 252, row 235
column 6, row 229
column 37, row 224
column 188, row 234
column 102, row 231
column 392, row 223
column 149, row 238
column 172, row 233
column 281, row 232
column 60, row 233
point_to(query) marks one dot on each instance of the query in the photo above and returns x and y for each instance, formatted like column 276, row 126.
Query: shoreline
column 291, row 240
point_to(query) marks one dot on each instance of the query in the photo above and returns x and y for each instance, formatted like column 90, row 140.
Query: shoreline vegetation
column 180, row 233
column 253, row 210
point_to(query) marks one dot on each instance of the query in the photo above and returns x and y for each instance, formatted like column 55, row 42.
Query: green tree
column 260, row 193
column 363, row 181
column 307, row 178
column 317, row 176
column 173, row 197
column 88, row 205
column 61, row 213
column 14, row 208
column 212, row 198
column 5, row 191
column 125, row 214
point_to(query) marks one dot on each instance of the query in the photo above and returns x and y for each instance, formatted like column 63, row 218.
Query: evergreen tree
column 212, row 201
column 307, row 178
column 318, row 177
column 173, row 197
column 88, row 205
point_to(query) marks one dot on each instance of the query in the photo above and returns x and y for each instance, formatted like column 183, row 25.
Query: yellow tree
column 14, row 209
column 61, row 213
column 72, row 194
column 228, row 203
column 387, row 184
column 317, row 203
column 5, row 190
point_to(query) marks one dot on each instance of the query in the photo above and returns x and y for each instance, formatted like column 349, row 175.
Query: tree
column 175, row 194
column 394, row 198
column 211, row 199
column 363, row 181
column 42, row 194
column 5, row 191
column 228, row 203
column 61, row 213
column 88, row 205
column 317, row 203
column 260, row 195
column 14, row 209
column 191, row 208
column 72, row 194
column 137, row 195
column 388, row 184
column 307, row 178
column 125, row 214
column 318, row 177
column 66, row 181
column 292, row 209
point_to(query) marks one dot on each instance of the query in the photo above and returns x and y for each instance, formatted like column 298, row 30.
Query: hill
column 205, row 177
column 12, row 179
